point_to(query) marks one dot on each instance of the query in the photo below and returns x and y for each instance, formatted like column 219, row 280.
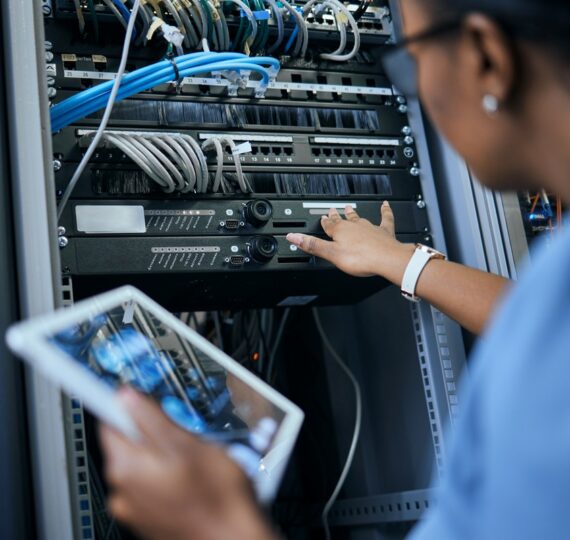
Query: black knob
column 262, row 248
column 258, row 212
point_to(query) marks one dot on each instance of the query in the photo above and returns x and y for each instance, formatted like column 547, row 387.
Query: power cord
column 357, row 423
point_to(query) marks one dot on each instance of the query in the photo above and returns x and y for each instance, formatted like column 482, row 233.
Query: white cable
column 174, row 13
column 242, row 180
column 341, row 27
column 106, row 115
column 215, row 142
column 357, row 423
column 355, row 31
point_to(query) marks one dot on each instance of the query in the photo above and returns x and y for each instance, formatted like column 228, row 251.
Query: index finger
column 387, row 218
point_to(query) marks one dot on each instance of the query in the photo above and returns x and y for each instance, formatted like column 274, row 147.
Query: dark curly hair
column 545, row 22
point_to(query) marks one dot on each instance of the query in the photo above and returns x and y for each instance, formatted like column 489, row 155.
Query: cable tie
column 177, row 79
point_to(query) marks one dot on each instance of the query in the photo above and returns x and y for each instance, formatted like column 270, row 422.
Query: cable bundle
column 89, row 101
column 175, row 161
column 203, row 24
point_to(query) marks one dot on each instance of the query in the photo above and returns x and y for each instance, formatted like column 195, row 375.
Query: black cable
column 266, row 351
column 361, row 10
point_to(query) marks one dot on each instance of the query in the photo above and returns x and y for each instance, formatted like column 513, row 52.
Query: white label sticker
column 115, row 219
column 243, row 148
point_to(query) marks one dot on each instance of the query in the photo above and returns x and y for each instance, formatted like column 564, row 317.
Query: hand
column 358, row 247
column 170, row 485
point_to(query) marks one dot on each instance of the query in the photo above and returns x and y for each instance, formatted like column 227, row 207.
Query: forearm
column 466, row 295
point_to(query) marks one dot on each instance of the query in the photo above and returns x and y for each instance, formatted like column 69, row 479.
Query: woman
column 494, row 75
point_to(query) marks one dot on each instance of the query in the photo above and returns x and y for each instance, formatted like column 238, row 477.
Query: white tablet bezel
column 30, row 340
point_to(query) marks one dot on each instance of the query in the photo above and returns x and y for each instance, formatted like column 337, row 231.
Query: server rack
column 381, row 488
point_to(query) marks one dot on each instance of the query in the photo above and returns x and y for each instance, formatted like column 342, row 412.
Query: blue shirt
column 508, row 466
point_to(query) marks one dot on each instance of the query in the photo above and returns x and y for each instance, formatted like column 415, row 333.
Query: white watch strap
column 413, row 271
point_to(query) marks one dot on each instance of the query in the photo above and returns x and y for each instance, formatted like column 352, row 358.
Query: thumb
column 153, row 423
column 312, row 245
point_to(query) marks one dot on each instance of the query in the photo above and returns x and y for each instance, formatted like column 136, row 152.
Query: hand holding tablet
column 124, row 338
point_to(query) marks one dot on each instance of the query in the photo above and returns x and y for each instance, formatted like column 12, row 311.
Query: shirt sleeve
column 508, row 468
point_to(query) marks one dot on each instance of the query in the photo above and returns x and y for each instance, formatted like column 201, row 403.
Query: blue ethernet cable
column 91, row 100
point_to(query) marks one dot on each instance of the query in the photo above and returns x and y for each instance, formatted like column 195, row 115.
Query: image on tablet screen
column 129, row 346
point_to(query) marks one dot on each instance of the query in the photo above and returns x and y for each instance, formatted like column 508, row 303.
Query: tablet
column 123, row 337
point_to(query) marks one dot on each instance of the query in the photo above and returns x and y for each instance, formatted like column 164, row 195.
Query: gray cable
column 152, row 156
column 80, row 18
column 106, row 115
column 218, row 37
column 215, row 142
column 250, row 16
column 142, row 151
column 147, row 16
column 112, row 7
column 197, row 6
column 203, row 169
column 355, row 31
column 218, row 326
column 242, row 181
column 277, row 15
column 303, row 36
column 195, row 163
column 357, row 422
column 276, row 343
column 174, row 157
column 226, row 42
column 187, row 16
column 135, row 155
column 186, row 164
column 340, row 27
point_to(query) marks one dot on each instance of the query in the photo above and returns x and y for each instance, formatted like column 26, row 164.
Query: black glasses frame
column 401, row 67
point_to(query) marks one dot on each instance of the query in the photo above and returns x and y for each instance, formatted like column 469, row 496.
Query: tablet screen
column 129, row 345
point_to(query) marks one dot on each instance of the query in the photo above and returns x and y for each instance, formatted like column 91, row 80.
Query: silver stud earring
column 490, row 104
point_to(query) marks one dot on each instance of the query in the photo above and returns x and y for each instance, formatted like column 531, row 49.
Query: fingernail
column 127, row 394
column 385, row 203
column 295, row 238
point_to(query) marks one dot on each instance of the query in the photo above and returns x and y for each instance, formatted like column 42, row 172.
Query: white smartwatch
column 422, row 255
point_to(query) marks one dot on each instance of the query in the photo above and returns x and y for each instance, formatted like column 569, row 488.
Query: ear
column 494, row 58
